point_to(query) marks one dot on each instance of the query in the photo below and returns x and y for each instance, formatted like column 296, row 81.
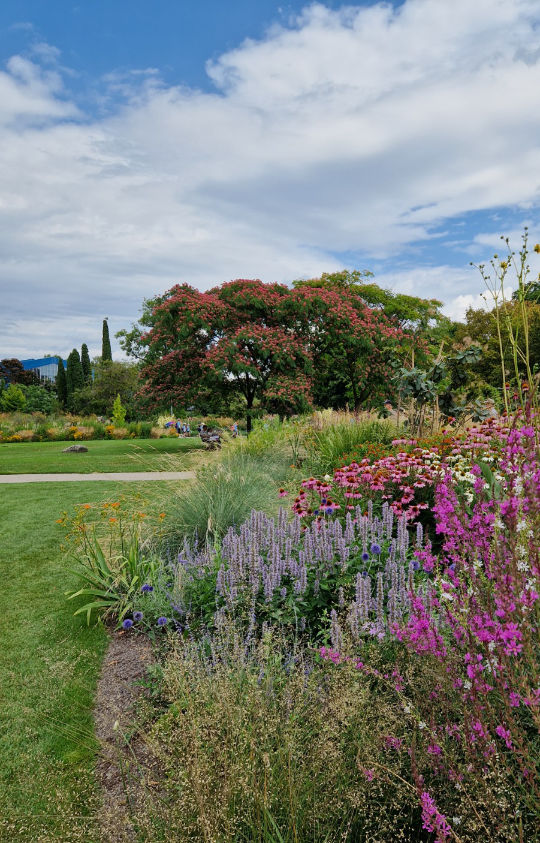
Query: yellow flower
column 504, row 265
column 537, row 248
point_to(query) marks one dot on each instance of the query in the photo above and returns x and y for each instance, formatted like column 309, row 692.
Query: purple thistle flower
column 161, row 621
column 375, row 549
column 365, row 556
column 138, row 616
column 146, row 588
column 127, row 624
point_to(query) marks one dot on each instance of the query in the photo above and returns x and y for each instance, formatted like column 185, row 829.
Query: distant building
column 46, row 368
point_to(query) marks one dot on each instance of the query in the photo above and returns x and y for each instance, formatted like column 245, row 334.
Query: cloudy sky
column 144, row 144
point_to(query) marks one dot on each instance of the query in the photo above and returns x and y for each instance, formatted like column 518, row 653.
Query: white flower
column 327, row 477
column 422, row 725
column 407, row 709
column 521, row 525
column 467, row 685
column 491, row 646
column 456, row 820
column 447, row 595
column 523, row 566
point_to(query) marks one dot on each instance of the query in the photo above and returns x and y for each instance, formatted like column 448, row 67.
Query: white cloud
column 356, row 130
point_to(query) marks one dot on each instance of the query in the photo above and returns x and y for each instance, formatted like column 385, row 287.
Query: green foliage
column 74, row 378
column 113, row 580
column 110, row 379
column 118, row 412
column 13, row 398
column 61, row 383
column 141, row 430
column 224, row 494
column 106, row 353
column 49, row 665
column 86, row 365
column 326, row 447
column 39, row 399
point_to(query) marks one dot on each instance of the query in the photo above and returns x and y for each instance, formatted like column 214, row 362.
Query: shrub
column 269, row 746
column 270, row 573
column 13, row 398
column 119, row 433
column 121, row 575
column 477, row 631
column 119, row 412
column 224, row 493
column 327, row 446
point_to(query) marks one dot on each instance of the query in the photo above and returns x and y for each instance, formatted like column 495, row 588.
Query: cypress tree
column 85, row 363
column 74, row 376
column 61, row 383
column 106, row 353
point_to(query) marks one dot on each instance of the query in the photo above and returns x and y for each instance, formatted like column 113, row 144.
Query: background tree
column 354, row 347
column 420, row 321
column 61, row 383
column 13, row 399
column 106, row 353
column 110, row 379
column 40, row 398
column 254, row 340
column 86, row 365
column 480, row 328
column 74, row 378
column 13, row 371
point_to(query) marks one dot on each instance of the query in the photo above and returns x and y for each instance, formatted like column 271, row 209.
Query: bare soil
column 125, row 765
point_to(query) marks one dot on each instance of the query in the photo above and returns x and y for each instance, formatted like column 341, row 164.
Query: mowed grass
column 103, row 456
column 49, row 665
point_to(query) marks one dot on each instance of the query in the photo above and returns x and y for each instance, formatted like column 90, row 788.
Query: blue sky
column 143, row 144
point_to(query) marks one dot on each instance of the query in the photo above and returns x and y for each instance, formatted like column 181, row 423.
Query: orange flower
column 86, row 506
column 59, row 520
column 162, row 515
column 115, row 505
column 112, row 520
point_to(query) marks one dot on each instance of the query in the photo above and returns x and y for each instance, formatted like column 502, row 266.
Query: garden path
column 113, row 475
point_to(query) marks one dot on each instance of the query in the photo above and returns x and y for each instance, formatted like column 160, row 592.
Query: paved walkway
column 78, row 478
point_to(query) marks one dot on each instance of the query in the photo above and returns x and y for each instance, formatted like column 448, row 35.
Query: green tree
column 110, row 379
column 119, row 412
column 40, row 399
column 74, row 378
column 252, row 340
column 86, row 365
column 106, row 353
column 13, row 399
column 61, row 383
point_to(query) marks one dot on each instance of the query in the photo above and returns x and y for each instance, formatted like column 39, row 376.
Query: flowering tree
column 233, row 340
column 259, row 342
column 353, row 345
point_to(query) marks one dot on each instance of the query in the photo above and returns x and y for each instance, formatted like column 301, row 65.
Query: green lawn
column 103, row 455
column 49, row 664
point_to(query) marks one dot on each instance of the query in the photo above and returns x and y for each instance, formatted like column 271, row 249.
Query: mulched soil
column 125, row 765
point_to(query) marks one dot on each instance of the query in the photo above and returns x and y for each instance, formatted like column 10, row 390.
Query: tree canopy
column 272, row 345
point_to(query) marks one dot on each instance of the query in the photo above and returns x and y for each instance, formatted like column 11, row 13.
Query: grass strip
column 49, row 665
column 103, row 455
